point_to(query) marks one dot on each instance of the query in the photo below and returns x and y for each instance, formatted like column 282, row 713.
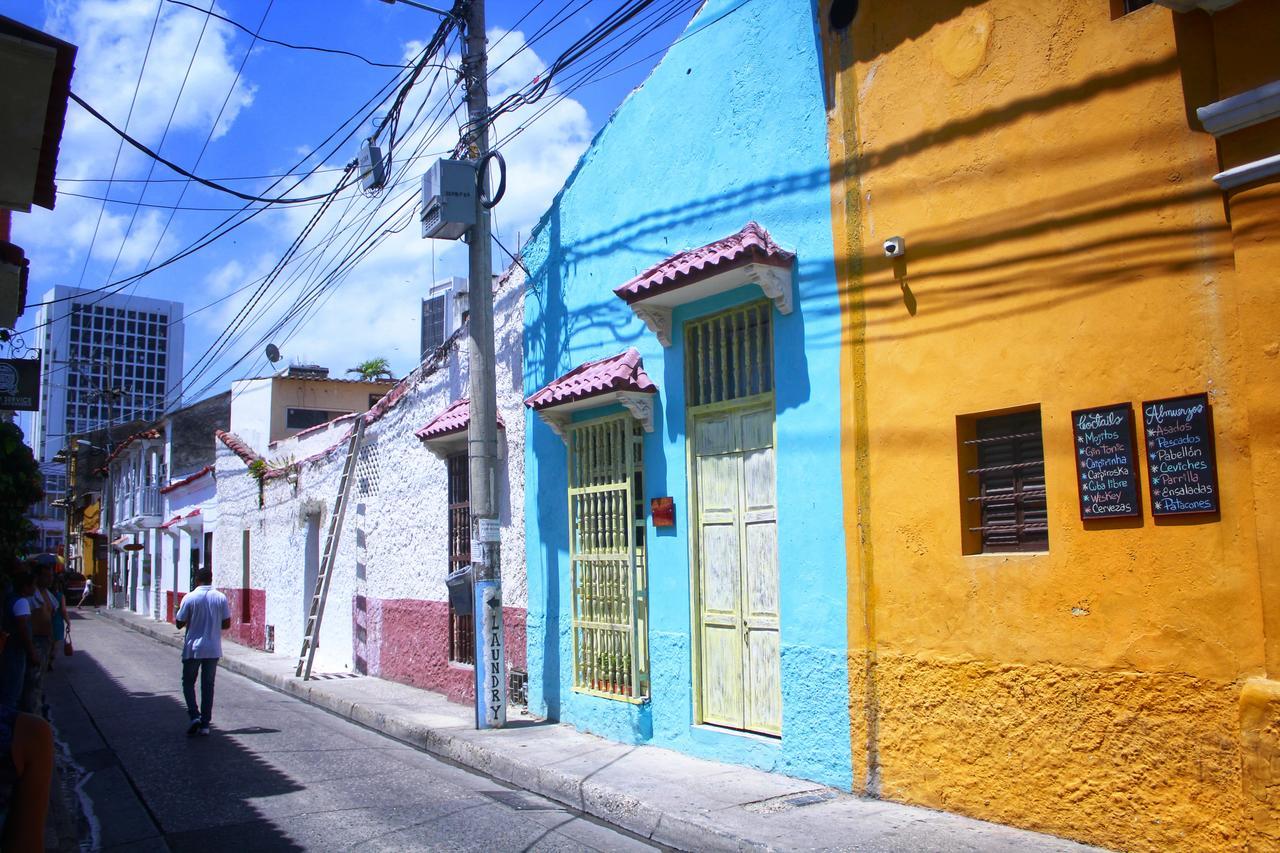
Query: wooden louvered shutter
column 1010, row 483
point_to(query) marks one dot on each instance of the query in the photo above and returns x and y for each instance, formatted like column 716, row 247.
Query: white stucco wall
column 251, row 411
column 394, row 543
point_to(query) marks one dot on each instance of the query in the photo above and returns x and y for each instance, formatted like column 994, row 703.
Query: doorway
column 732, row 472
column 310, row 564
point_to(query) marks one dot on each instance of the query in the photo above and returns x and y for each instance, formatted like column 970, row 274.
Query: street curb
column 603, row 802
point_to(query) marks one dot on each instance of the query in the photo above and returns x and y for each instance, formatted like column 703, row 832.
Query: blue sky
column 258, row 109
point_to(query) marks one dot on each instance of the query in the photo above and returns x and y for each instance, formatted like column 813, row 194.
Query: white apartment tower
column 93, row 341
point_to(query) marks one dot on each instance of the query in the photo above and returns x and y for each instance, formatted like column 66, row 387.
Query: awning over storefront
column 748, row 257
column 617, row 379
column 447, row 432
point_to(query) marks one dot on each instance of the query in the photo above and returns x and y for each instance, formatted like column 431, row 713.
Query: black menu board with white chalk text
column 1106, row 461
column 1182, row 469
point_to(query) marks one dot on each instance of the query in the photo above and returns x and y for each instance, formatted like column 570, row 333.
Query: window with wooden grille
column 462, row 635
column 1003, row 483
column 730, row 355
column 607, row 558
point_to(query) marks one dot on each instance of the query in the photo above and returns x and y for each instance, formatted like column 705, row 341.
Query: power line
column 361, row 114
column 208, row 183
column 333, row 50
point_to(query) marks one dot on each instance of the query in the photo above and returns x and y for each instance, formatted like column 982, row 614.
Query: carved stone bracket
column 776, row 284
column 558, row 421
column 640, row 406
column 658, row 319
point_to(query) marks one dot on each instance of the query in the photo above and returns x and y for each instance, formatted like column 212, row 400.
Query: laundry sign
column 20, row 384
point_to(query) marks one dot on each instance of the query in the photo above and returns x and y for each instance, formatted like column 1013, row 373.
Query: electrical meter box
column 448, row 199
column 373, row 175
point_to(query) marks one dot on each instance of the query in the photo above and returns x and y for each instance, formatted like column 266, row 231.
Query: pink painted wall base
column 407, row 640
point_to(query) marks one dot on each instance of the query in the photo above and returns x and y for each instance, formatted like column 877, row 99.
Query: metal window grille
column 1009, row 479
column 730, row 355
column 607, row 559
column 367, row 471
column 462, row 635
column 433, row 324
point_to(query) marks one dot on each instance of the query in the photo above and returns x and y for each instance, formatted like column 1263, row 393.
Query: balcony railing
column 144, row 501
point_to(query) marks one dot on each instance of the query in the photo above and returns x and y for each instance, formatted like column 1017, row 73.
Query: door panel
column 738, row 570
column 764, row 687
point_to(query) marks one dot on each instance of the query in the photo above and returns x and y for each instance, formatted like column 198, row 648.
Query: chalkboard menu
column 1106, row 461
column 1180, row 457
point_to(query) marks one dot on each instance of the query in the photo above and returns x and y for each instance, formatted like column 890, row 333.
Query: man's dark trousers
column 208, row 668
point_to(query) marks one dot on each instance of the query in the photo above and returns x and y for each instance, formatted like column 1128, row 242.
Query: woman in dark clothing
column 19, row 650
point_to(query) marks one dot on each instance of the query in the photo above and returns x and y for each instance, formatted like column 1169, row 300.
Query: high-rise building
column 94, row 343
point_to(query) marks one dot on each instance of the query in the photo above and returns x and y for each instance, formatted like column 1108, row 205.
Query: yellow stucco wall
column 331, row 395
column 1066, row 247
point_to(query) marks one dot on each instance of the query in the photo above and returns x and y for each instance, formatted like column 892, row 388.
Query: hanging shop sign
column 1181, row 464
column 1106, row 461
column 20, row 384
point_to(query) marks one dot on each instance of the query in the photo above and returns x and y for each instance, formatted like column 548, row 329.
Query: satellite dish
column 273, row 353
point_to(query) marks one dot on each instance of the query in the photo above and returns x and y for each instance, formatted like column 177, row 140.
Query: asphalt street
column 276, row 774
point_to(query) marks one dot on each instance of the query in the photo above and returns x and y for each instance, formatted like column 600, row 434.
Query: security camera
column 895, row 247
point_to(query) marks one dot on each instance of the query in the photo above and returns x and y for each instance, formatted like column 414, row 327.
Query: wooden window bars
column 607, row 559
column 730, row 355
column 462, row 635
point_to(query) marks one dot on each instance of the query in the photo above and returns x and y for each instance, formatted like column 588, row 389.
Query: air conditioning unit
column 448, row 199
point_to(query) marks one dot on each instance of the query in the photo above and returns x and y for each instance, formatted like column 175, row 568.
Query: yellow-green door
column 738, row 569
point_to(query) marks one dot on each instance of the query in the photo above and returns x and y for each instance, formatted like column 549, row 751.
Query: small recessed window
column 1002, row 483
column 842, row 13
column 1120, row 8
column 306, row 418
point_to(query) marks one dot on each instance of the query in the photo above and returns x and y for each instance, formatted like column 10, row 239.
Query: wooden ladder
column 311, row 634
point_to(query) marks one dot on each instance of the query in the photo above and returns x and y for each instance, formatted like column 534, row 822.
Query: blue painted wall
column 729, row 127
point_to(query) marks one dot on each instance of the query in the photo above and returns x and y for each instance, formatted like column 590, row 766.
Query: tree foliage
column 373, row 368
column 21, row 485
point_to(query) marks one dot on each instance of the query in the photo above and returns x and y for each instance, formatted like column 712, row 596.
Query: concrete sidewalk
column 664, row 796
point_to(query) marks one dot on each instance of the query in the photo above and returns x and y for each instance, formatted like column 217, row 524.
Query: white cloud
column 112, row 36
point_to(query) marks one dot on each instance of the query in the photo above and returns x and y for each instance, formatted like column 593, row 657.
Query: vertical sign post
column 482, row 431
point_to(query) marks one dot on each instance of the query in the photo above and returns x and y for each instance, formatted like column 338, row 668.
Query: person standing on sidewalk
column 41, row 640
column 205, row 614
column 19, row 651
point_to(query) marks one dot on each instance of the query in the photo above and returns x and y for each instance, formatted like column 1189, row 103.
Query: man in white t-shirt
column 205, row 614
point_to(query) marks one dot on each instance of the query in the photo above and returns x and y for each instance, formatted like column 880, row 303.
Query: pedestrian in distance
column 87, row 595
column 205, row 614
column 61, row 623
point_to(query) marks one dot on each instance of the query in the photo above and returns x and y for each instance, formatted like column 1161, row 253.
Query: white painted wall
column 251, row 411
column 398, row 536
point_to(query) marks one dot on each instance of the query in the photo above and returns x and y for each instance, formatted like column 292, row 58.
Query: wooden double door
column 737, row 572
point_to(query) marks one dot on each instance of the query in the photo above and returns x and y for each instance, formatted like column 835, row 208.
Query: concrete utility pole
column 482, row 432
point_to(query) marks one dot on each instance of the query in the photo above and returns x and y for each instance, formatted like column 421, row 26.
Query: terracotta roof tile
column 621, row 372
column 751, row 245
column 145, row 435
column 190, row 478
column 455, row 418
column 237, row 446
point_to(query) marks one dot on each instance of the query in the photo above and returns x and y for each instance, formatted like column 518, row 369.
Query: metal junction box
column 373, row 176
column 448, row 199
